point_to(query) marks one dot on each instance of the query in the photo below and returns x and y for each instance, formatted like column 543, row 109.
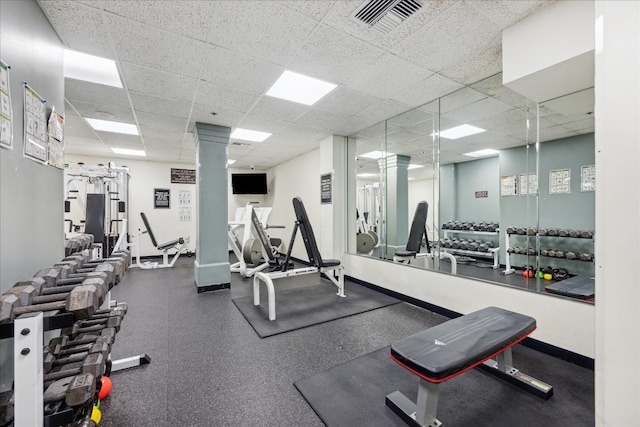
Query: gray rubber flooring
column 209, row 367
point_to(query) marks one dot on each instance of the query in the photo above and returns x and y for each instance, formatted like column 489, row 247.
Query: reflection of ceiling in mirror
column 486, row 104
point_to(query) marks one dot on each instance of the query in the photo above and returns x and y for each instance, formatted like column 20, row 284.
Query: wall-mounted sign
column 325, row 188
column 482, row 194
column 183, row 176
column 161, row 198
column 560, row 181
column 588, row 178
column 509, row 185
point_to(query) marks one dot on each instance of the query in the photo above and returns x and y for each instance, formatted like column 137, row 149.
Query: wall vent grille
column 385, row 15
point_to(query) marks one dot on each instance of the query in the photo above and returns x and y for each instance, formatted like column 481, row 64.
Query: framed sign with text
column 161, row 198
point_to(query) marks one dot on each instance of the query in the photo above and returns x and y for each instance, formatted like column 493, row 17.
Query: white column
column 617, row 241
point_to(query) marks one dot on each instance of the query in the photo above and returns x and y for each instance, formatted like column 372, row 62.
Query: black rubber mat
column 353, row 394
column 302, row 307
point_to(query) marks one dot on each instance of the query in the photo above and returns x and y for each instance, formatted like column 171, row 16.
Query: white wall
column 165, row 223
column 562, row 322
column 297, row 177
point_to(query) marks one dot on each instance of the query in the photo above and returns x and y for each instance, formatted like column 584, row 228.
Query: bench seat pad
column 581, row 287
column 405, row 253
column 171, row 244
column 453, row 347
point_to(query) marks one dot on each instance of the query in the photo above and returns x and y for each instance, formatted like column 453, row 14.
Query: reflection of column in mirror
column 435, row 171
column 540, row 286
column 397, row 201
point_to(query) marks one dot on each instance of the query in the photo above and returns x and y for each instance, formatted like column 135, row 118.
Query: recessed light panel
column 249, row 135
column 411, row 166
column 116, row 127
column 375, row 155
column 482, row 153
column 460, row 131
column 89, row 68
column 129, row 152
column 230, row 162
column 366, row 175
column 299, row 88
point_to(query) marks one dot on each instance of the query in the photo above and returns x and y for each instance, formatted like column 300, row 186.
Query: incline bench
column 331, row 267
column 452, row 348
column 580, row 287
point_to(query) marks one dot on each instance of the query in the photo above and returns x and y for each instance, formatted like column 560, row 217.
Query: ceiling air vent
column 385, row 15
column 239, row 144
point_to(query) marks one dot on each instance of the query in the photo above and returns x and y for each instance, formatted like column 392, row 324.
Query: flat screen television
column 249, row 183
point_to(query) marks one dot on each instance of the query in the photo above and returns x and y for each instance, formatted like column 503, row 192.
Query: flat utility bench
column 452, row 348
column 580, row 287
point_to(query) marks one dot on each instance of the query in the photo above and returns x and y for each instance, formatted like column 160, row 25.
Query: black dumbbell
column 93, row 363
column 586, row 234
column 571, row 255
column 75, row 391
column 564, row 232
column 552, row 232
column 531, row 231
column 586, row 257
column 473, row 246
column 542, row 232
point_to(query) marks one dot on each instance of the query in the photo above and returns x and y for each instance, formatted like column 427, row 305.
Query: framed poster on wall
column 161, row 198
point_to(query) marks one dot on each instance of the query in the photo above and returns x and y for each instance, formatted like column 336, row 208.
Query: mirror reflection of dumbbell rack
column 492, row 251
column 555, row 244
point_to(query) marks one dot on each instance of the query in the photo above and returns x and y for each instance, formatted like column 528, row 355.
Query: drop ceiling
column 183, row 62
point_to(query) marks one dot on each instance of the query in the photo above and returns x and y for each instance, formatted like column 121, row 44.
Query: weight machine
column 249, row 241
column 101, row 194
column 367, row 218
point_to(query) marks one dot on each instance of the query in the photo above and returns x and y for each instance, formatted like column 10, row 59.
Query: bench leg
column 422, row 413
column 503, row 368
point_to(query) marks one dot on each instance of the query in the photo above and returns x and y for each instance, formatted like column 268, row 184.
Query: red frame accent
column 441, row 380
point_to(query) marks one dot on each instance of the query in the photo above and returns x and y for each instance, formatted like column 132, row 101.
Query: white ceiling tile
column 484, row 108
column 457, row 33
column 92, row 93
column 300, row 131
column 161, row 106
column 316, row 9
column 157, row 121
column 383, row 110
column 158, row 83
column 508, row 12
column 347, row 101
column 177, row 54
column 477, row 66
column 427, row 90
column 239, row 71
column 388, row 75
column 410, row 118
column 153, row 135
column 186, row 17
column 119, row 138
column 79, row 27
column 261, row 124
column 103, row 112
column 202, row 114
column 339, row 17
column 75, row 126
column 321, row 119
column 279, row 109
column 333, row 56
column 216, row 95
column 261, row 29
column 459, row 99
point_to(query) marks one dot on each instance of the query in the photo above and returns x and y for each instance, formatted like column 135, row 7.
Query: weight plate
column 365, row 243
column 252, row 252
column 375, row 237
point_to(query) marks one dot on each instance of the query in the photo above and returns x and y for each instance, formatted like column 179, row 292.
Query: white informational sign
column 529, row 184
column 185, row 214
column 588, row 178
column 55, row 134
column 560, row 181
column 6, row 113
column 184, row 197
column 509, row 185
column 36, row 144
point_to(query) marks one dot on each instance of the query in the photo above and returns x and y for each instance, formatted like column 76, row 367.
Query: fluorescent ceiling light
column 89, row 68
column 230, row 162
column 460, row 131
column 129, row 152
column 412, row 166
column 116, row 127
column 366, row 175
column 376, row 154
column 249, row 135
column 298, row 88
column 482, row 153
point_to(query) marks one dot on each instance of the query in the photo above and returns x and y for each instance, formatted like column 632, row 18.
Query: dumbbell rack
column 491, row 253
column 28, row 333
column 510, row 270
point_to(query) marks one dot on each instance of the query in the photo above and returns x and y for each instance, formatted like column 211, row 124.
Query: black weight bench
column 580, row 287
column 452, row 348
column 331, row 268
column 417, row 233
column 178, row 244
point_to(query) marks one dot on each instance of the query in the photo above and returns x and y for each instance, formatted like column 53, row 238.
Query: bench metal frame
column 336, row 271
column 176, row 244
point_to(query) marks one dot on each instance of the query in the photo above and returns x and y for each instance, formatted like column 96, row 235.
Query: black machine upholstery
column 457, row 345
column 163, row 246
column 418, row 229
column 302, row 220
column 580, row 287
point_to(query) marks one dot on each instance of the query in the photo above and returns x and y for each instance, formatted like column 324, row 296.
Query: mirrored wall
column 482, row 183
